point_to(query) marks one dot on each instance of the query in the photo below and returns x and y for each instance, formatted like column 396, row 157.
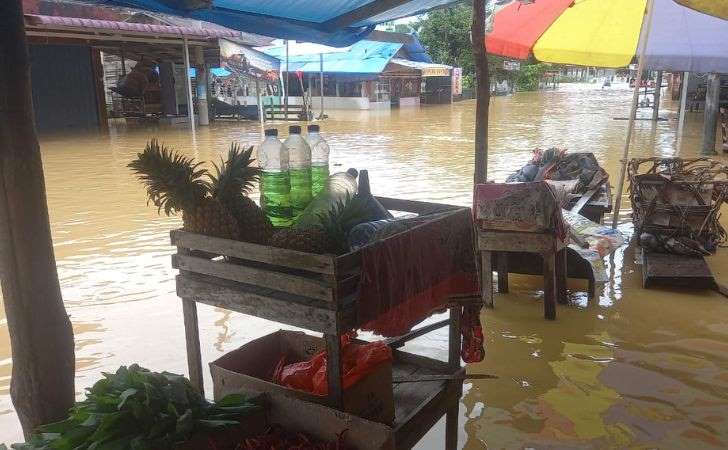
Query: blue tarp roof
column 364, row 57
column 333, row 22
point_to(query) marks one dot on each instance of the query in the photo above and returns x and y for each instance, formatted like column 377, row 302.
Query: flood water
column 633, row 368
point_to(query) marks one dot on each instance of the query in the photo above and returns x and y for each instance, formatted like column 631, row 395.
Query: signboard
column 241, row 60
column 457, row 81
column 511, row 65
column 435, row 71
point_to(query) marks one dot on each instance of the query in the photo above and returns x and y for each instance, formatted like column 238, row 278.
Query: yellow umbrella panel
column 717, row 8
column 594, row 33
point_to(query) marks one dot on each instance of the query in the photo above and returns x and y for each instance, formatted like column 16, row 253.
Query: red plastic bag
column 359, row 360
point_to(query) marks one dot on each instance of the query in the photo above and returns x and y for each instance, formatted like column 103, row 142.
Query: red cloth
column 409, row 276
column 517, row 27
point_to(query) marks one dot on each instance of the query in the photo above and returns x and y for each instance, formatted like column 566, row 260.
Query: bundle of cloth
column 558, row 165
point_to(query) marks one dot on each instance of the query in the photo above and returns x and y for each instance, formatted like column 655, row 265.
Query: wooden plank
column 586, row 197
column 417, row 207
column 675, row 270
column 549, row 286
column 514, row 241
column 430, row 364
column 561, row 293
column 254, row 252
column 419, row 378
column 334, row 371
column 433, row 401
column 257, row 302
column 454, row 338
column 267, row 278
column 399, row 341
column 451, row 426
column 192, row 338
column 369, row 9
column 486, row 278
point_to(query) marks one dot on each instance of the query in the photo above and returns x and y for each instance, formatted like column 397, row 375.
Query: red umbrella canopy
column 517, row 27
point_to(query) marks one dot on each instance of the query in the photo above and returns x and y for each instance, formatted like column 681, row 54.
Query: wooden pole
column 712, row 109
column 42, row 384
column 321, row 75
column 483, row 93
column 188, row 81
column 285, row 87
column 632, row 115
column 683, row 104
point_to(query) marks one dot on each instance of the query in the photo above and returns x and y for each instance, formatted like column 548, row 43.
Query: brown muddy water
column 632, row 369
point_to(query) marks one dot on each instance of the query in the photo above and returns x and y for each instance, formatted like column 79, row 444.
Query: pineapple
column 332, row 233
column 231, row 184
column 176, row 183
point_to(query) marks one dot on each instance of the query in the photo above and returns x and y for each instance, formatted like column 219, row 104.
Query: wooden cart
column 318, row 293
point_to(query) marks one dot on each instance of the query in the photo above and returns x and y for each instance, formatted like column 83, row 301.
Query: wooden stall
column 319, row 293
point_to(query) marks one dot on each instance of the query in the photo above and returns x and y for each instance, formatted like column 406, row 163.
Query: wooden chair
column 547, row 245
column 517, row 218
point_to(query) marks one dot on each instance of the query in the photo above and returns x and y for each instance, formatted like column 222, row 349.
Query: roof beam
column 371, row 9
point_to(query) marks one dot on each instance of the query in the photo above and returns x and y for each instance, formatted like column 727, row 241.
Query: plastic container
column 368, row 232
column 275, row 184
column 320, row 151
column 337, row 187
column 300, row 169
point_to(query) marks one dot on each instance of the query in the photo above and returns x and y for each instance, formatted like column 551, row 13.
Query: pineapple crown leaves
column 234, row 177
column 343, row 215
column 174, row 182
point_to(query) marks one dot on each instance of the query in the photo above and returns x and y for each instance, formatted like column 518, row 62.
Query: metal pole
column 633, row 113
column 190, row 106
column 261, row 114
column 712, row 109
column 658, row 94
column 321, row 69
column 285, row 90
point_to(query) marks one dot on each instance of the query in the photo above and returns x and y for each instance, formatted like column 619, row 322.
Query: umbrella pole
column 483, row 93
column 683, row 105
column 632, row 114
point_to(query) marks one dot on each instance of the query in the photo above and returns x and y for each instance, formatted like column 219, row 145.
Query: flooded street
column 633, row 368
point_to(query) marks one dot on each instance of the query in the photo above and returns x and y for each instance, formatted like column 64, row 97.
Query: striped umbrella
column 606, row 33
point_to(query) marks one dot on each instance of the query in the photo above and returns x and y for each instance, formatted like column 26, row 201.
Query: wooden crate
column 311, row 291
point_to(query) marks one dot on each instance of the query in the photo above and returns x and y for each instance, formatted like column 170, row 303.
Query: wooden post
column 683, row 106
column 188, row 81
column 483, row 93
column 285, row 87
column 658, row 94
column 486, row 277
column 712, row 109
column 549, row 285
column 202, row 82
column 334, row 370
column 502, row 272
column 453, row 359
column 41, row 337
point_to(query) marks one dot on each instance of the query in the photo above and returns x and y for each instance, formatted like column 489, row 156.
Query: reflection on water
column 633, row 368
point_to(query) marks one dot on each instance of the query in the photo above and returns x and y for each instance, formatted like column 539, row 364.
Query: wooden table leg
column 486, row 269
column 192, row 337
column 561, row 276
column 451, row 425
column 334, row 371
column 592, row 288
column 454, row 338
column 502, row 272
column 549, row 285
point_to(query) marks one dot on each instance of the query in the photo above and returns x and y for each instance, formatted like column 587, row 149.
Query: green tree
column 445, row 33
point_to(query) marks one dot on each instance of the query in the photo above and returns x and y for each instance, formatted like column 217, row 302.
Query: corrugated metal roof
column 78, row 22
column 364, row 57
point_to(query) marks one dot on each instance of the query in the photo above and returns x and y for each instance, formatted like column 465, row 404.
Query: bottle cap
column 313, row 128
column 271, row 132
column 294, row 129
column 353, row 172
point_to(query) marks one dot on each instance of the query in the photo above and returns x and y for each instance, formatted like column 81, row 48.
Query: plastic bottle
column 368, row 232
column 336, row 188
column 376, row 210
column 275, row 183
column 319, row 159
column 300, row 168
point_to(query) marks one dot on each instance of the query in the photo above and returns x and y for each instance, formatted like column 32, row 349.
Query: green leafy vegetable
column 137, row 409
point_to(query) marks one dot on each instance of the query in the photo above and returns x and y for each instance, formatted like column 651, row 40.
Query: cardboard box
column 249, row 369
column 294, row 415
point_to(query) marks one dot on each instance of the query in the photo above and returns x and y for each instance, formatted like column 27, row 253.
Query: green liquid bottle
column 319, row 159
column 275, row 197
column 299, row 154
column 275, row 181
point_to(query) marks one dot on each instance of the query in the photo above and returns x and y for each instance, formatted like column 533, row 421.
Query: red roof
column 77, row 22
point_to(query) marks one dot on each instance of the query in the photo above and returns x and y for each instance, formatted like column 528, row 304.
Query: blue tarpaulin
column 364, row 57
column 333, row 22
